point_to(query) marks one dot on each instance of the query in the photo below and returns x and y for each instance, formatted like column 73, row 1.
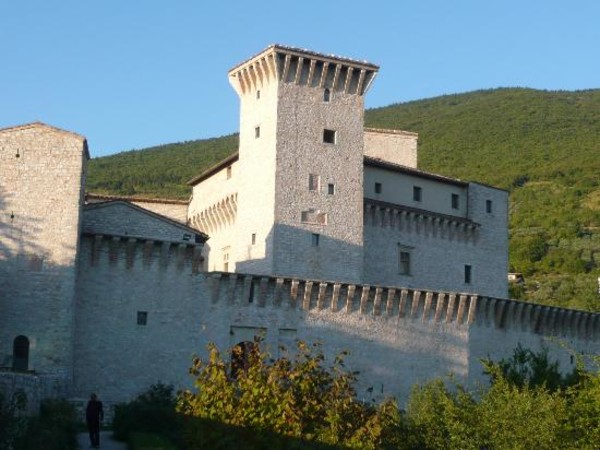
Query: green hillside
column 542, row 146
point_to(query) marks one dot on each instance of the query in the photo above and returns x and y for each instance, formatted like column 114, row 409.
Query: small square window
column 315, row 239
column 329, row 136
column 331, row 189
column 468, row 273
column 257, row 132
column 229, row 172
column 313, row 182
column 455, row 200
column 417, row 193
column 142, row 317
column 404, row 262
column 378, row 188
column 488, row 206
column 253, row 238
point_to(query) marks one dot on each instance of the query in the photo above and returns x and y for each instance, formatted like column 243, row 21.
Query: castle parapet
column 302, row 67
column 403, row 304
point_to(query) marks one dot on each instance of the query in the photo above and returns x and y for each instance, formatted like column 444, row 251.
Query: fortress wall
column 41, row 179
column 397, row 188
column 438, row 251
column 490, row 260
column 174, row 211
column 211, row 191
column 500, row 325
column 396, row 337
column 398, row 147
column 118, row 278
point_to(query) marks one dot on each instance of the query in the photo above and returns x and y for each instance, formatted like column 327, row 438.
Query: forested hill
column 544, row 147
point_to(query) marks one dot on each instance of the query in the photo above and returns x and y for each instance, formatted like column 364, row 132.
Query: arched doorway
column 20, row 360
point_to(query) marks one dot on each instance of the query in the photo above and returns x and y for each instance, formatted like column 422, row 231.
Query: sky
column 130, row 74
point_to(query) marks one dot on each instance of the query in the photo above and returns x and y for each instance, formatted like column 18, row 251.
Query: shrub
column 271, row 404
column 54, row 429
column 151, row 412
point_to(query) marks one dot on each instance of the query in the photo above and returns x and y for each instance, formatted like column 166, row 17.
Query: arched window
column 326, row 95
column 20, row 353
column 241, row 357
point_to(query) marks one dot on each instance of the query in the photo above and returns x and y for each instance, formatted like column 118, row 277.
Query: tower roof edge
column 279, row 48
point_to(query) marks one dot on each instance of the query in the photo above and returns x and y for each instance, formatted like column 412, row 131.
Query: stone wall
column 41, row 192
column 397, row 147
column 396, row 336
column 440, row 246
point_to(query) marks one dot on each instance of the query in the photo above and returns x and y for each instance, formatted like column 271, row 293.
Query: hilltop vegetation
column 541, row 146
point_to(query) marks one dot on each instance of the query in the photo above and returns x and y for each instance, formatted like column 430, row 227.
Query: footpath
column 106, row 441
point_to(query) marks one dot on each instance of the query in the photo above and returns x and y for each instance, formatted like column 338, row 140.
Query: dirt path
column 106, row 441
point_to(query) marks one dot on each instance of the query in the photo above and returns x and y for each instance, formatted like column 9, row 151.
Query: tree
column 299, row 398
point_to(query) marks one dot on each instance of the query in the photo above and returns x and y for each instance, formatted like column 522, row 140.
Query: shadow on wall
column 29, row 279
column 304, row 253
column 391, row 348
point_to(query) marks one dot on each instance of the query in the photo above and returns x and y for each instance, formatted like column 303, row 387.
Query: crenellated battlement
column 407, row 219
column 458, row 309
column 129, row 253
column 219, row 215
column 302, row 67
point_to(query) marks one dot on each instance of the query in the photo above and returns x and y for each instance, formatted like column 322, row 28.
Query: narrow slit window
column 417, row 193
column 229, row 172
column 257, row 132
column 488, row 206
column 326, row 95
column 404, row 262
column 468, row 274
column 253, row 240
column 455, row 201
column 329, row 136
column 315, row 239
column 378, row 188
column 258, row 95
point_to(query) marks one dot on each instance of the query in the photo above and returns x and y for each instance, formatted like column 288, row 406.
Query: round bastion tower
column 300, row 198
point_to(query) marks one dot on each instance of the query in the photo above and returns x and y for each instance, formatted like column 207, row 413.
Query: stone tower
column 300, row 203
column 42, row 171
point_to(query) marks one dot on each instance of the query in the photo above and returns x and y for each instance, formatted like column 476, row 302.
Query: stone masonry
column 341, row 238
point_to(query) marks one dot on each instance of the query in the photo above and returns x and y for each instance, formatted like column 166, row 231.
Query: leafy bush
column 274, row 402
column 151, row 412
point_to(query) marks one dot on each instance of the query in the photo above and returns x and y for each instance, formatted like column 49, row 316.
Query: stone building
column 332, row 231
column 313, row 194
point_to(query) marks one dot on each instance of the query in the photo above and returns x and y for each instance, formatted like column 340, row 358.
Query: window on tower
column 314, row 182
column 329, row 136
column 326, row 95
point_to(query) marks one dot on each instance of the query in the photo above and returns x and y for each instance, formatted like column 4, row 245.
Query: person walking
column 94, row 414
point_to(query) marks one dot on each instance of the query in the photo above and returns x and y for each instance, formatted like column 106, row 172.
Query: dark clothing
column 93, row 415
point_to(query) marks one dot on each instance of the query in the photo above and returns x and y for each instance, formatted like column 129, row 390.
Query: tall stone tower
column 300, row 203
column 42, row 171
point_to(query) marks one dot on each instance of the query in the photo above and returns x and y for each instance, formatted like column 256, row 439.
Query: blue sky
column 129, row 74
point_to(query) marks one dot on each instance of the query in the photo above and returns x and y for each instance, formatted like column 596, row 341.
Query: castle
column 316, row 229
